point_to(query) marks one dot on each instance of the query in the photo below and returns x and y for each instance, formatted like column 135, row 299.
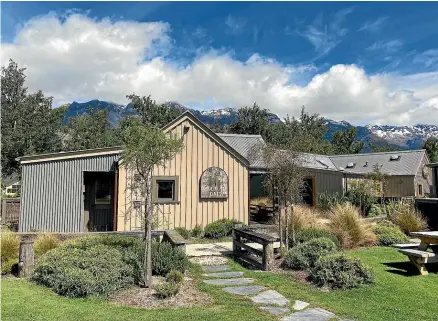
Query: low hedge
column 218, row 229
column 337, row 271
column 82, row 272
column 166, row 258
column 304, row 255
column 388, row 234
column 307, row 234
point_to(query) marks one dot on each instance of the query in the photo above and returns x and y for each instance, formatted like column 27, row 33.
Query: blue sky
column 377, row 48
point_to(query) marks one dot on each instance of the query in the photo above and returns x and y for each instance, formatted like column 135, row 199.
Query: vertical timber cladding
column 200, row 152
column 51, row 197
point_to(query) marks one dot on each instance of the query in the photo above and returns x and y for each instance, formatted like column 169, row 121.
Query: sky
column 363, row 62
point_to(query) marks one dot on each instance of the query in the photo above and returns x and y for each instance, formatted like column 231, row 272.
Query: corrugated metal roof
column 318, row 162
column 407, row 163
column 247, row 146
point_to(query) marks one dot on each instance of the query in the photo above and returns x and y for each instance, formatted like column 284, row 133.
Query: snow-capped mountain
column 399, row 137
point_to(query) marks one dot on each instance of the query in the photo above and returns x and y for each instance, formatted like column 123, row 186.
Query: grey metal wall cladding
column 51, row 196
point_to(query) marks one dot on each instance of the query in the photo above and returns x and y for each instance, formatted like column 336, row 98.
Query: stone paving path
column 268, row 300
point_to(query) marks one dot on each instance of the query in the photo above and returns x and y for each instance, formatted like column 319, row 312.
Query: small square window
column 165, row 189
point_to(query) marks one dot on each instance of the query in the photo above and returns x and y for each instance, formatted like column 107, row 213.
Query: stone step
column 275, row 310
column 230, row 274
column 229, row 282
column 215, row 268
column 244, row 290
column 300, row 305
column 270, row 297
column 309, row 315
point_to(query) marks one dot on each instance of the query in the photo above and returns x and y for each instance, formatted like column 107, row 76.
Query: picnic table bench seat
column 420, row 258
column 417, row 253
column 407, row 246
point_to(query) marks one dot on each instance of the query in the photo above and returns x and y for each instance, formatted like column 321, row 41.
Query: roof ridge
column 239, row 135
column 379, row 153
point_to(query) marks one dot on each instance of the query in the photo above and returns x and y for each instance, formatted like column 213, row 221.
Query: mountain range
column 397, row 137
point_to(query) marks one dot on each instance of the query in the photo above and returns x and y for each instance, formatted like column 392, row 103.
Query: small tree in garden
column 286, row 173
column 146, row 146
column 378, row 175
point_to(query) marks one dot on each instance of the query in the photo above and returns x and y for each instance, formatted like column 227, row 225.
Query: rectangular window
column 165, row 189
column 420, row 189
column 103, row 191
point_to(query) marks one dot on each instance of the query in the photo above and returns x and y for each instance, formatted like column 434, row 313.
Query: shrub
column 197, row 231
column 174, row 276
column 304, row 255
column 166, row 258
column 80, row 272
column 405, row 216
column 388, row 235
column 185, row 233
column 327, row 200
column 218, row 229
column 261, row 201
column 361, row 198
column 346, row 224
column 337, row 271
column 130, row 247
column 10, row 245
column 45, row 243
column 304, row 217
column 308, row 234
column 166, row 290
column 375, row 210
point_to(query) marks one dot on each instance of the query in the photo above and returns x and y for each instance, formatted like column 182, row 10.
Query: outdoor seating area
column 418, row 253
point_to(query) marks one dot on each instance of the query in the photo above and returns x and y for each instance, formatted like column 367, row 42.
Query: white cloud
column 235, row 24
column 82, row 59
column 374, row 25
column 390, row 46
column 428, row 58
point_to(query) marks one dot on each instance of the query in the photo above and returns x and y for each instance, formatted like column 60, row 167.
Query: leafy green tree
column 152, row 113
column 91, row 130
column 306, row 133
column 29, row 124
column 343, row 142
column 380, row 149
column 250, row 120
column 147, row 146
column 431, row 147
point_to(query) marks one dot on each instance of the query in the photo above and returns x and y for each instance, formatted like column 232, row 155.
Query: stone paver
column 309, row 315
column 244, row 290
column 300, row 305
column 215, row 268
column 231, row 274
column 270, row 297
column 275, row 310
column 229, row 282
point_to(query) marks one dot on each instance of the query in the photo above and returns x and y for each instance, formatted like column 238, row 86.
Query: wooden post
column 268, row 256
column 26, row 259
column 236, row 237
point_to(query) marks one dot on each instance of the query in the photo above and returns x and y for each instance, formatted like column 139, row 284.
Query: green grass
column 397, row 296
column 22, row 300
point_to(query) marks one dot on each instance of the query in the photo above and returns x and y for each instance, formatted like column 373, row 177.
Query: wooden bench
column 174, row 238
column 406, row 246
column 241, row 250
column 420, row 258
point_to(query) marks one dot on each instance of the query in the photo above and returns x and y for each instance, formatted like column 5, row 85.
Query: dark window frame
column 156, row 180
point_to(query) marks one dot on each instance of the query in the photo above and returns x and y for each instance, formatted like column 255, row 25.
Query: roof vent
column 341, row 168
column 394, row 157
column 351, row 165
column 366, row 164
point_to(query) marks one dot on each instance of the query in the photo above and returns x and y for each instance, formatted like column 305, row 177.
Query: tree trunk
column 280, row 227
column 286, row 236
column 292, row 218
column 147, row 255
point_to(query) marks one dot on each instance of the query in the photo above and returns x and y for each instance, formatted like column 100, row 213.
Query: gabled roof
column 188, row 115
column 408, row 162
column 10, row 180
column 247, row 146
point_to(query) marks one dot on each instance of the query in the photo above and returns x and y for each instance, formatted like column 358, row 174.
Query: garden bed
column 189, row 296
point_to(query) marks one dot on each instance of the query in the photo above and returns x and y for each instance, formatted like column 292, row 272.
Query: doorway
column 308, row 191
column 99, row 194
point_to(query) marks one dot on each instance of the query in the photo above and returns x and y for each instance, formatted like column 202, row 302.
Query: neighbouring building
column 11, row 185
column 214, row 177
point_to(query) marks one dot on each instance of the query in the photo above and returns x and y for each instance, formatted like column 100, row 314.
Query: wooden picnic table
column 420, row 255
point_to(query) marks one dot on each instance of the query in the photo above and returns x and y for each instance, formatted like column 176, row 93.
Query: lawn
column 397, row 296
